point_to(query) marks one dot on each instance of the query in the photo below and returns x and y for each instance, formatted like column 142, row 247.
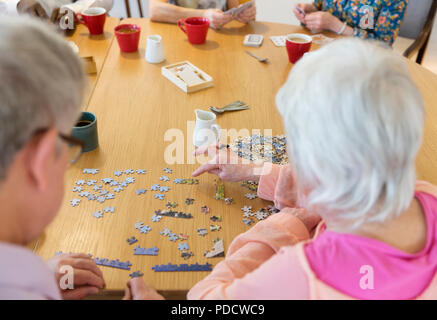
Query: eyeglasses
column 75, row 146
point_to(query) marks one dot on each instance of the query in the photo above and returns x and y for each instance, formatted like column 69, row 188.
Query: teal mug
column 86, row 131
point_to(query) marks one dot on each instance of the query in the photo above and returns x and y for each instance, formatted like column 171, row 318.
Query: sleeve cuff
column 267, row 182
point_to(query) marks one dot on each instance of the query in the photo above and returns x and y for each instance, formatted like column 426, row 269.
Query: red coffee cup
column 93, row 18
column 196, row 29
column 297, row 45
column 128, row 37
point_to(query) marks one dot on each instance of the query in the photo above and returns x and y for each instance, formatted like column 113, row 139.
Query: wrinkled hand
column 227, row 165
column 88, row 278
column 247, row 15
column 307, row 8
column 319, row 21
column 137, row 289
column 216, row 18
column 33, row 8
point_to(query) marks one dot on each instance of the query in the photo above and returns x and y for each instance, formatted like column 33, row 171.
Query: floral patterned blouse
column 200, row 4
column 387, row 16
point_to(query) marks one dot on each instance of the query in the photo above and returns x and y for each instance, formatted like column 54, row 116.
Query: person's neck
column 407, row 232
column 10, row 226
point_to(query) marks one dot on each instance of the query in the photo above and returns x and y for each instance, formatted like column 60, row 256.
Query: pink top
column 25, row 276
column 263, row 263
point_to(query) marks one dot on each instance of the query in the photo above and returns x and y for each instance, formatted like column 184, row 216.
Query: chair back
column 415, row 19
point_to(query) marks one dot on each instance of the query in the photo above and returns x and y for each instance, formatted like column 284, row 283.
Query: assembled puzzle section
column 187, row 77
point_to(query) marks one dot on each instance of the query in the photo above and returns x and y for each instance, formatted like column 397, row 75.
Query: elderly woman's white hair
column 354, row 122
column 42, row 84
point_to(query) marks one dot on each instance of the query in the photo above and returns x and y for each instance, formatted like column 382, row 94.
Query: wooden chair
column 128, row 12
column 417, row 25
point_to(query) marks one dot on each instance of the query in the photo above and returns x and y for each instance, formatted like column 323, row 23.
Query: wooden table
column 96, row 46
column 136, row 106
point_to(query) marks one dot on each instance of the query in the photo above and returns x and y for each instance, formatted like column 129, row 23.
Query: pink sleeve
column 248, row 252
column 277, row 184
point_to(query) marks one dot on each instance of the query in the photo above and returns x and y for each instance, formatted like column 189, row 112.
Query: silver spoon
column 262, row 60
column 235, row 106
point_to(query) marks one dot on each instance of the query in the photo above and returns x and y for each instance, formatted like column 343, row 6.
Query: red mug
column 93, row 18
column 128, row 37
column 297, row 45
column 196, row 29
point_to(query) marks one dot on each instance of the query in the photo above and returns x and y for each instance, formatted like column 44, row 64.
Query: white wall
column 281, row 11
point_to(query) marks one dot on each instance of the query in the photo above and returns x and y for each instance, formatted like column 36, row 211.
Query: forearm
column 249, row 251
column 165, row 12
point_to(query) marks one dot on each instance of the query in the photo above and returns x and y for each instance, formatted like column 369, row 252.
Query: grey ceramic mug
column 86, row 131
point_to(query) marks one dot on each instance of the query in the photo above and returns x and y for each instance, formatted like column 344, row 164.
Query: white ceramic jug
column 206, row 131
column 154, row 51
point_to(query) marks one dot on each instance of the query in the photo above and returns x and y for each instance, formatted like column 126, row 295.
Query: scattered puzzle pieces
column 84, row 194
column 101, row 199
column 183, row 267
column 173, row 237
column 183, row 246
column 75, row 202
column 113, row 183
column 129, row 180
column 113, row 263
column 128, row 171
column 132, row 240
column 218, row 249
column 107, row 180
column 186, row 181
column 145, row 229
column 109, row 209
column 165, row 232
column 118, row 173
column 251, row 196
column 159, row 196
column 141, row 171
column 164, row 189
column 187, row 255
column 214, row 228
column 146, row 251
column 136, row 274
column 141, row 191
column 110, row 196
column 81, row 182
column 91, row 171
column 97, row 187
column 216, row 218
column 98, row 214
column 248, row 222
column 118, row 189
column 174, row 214
column 202, row 232
column 77, row 189
column 229, row 200
column 164, row 178
column 189, row 201
column 205, row 209
column 91, row 182
column 155, row 187
column 156, row 218
column 171, row 205
column 167, row 170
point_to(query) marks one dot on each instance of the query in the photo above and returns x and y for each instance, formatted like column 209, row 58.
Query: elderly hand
column 247, row 15
column 216, row 18
column 305, row 7
column 227, row 165
column 137, row 289
column 88, row 278
column 33, row 8
column 320, row 20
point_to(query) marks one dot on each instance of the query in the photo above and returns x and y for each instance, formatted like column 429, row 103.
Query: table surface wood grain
column 136, row 106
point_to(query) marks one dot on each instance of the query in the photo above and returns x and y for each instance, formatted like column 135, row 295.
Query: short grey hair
column 354, row 122
column 42, row 84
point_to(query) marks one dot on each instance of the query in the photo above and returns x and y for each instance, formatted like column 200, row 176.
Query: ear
column 41, row 153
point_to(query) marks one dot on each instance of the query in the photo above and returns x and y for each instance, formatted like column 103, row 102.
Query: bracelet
column 342, row 28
